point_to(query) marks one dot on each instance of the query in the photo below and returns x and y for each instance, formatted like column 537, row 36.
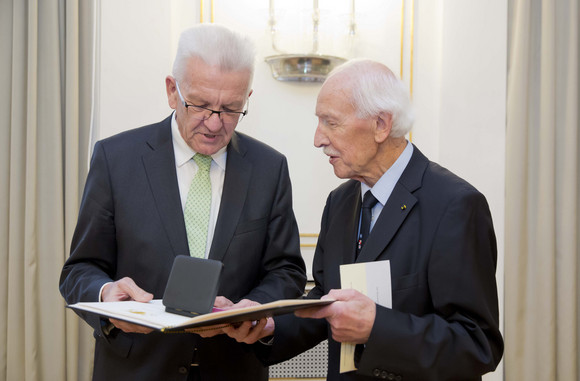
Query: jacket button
column 384, row 374
column 182, row 370
column 376, row 372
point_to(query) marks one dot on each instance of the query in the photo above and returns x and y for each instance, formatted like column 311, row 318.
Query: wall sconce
column 304, row 67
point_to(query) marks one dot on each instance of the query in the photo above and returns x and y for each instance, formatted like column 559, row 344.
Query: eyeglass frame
column 240, row 114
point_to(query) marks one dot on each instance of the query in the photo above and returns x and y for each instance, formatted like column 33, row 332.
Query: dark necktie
column 365, row 223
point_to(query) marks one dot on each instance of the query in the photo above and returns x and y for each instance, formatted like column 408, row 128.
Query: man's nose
column 214, row 122
column 320, row 138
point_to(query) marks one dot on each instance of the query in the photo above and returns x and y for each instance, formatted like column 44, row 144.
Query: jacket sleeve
column 294, row 335
column 93, row 248
column 284, row 274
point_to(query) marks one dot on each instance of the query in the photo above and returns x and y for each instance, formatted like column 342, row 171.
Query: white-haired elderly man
column 434, row 228
column 144, row 204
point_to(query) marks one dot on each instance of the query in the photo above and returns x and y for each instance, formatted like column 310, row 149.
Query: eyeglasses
column 204, row 113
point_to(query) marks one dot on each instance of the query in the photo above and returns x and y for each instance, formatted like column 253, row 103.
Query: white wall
column 459, row 79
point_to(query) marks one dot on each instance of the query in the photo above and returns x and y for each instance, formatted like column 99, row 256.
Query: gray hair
column 216, row 45
column 375, row 89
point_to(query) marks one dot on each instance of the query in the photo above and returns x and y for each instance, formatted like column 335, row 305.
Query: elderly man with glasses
column 143, row 199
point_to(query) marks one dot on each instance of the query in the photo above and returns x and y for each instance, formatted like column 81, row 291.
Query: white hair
column 374, row 89
column 216, row 45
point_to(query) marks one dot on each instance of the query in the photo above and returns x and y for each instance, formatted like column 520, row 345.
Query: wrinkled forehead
column 197, row 68
column 334, row 95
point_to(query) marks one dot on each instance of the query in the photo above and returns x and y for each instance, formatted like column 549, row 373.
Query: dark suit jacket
column 131, row 225
column 437, row 232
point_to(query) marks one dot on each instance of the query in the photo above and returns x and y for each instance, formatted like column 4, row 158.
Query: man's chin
column 208, row 147
column 340, row 174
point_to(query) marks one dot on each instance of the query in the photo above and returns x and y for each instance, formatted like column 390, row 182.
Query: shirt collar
column 384, row 187
column 184, row 153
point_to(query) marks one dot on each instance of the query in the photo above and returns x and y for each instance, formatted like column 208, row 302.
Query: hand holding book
column 187, row 303
column 248, row 331
column 251, row 331
column 221, row 304
column 153, row 314
column 122, row 290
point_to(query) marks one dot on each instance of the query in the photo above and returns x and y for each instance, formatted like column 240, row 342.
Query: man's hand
column 351, row 316
column 250, row 331
column 126, row 289
column 221, row 303
column 247, row 332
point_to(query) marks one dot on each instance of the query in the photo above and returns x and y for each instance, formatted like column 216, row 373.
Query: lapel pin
column 403, row 207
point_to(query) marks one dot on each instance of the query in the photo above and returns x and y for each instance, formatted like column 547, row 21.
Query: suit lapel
column 236, row 183
column 350, row 214
column 398, row 207
column 400, row 203
column 159, row 165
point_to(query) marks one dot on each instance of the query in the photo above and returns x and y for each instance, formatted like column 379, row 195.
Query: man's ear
column 384, row 123
column 171, row 89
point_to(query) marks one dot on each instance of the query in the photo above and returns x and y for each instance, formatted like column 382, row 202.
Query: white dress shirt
column 187, row 168
column 384, row 187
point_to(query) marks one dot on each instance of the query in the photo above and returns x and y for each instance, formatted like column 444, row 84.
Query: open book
column 153, row 314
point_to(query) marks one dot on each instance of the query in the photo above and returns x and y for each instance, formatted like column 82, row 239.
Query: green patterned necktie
column 197, row 207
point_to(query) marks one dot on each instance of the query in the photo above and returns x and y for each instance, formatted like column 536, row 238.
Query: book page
column 150, row 314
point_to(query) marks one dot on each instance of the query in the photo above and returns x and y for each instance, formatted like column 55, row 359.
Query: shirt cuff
column 268, row 340
column 101, row 291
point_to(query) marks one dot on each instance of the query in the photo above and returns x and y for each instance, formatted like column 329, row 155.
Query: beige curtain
column 45, row 97
column 542, row 192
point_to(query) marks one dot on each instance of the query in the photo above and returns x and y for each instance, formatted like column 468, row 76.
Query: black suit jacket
column 437, row 232
column 131, row 225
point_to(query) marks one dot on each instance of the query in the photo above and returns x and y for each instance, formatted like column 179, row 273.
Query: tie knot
column 202, row 161
column 369, row 200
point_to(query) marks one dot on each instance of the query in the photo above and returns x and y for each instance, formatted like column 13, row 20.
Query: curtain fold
column 542, row 163
column 45, row 113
